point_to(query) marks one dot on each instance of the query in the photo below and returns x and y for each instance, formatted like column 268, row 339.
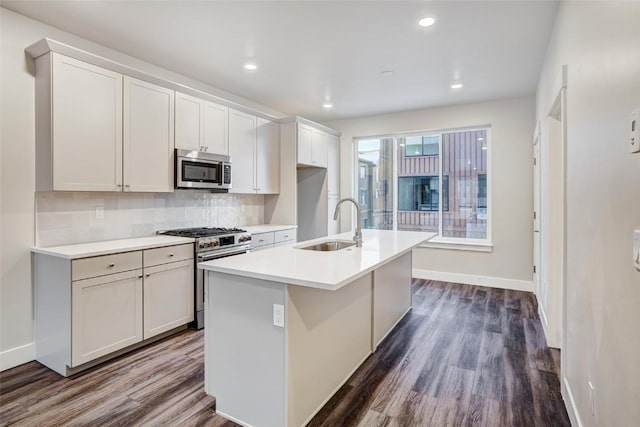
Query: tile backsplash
column 70, row 217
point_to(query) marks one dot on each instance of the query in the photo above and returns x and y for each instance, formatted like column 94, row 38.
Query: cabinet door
column 189, row 111
column 148, row 136
column 168, row 297
column 319, row 149
column 268, row 157
column 304, row 144
column 333, row 165
column 242, row 143
column 215, row 128
column 87, row 126
column 333, row 227
column 106, row 315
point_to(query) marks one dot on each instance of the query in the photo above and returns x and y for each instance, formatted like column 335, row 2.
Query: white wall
column 17, row 173
column 600, row 44
column 512, row 125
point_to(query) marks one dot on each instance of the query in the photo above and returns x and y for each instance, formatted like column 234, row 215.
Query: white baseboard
column 471, row 279
column 551, row 340
column 17, row 356
column 572, row 409
column 235, row 420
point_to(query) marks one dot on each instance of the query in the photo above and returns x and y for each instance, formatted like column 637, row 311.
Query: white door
column 87, row 126
column 106, row 315
column 242, row 142
column 215, row 124
column 168, row 297
column 304, row 144
column 536, row 214
column 148, row 138
column 189, row 111
column 333, row 165
column 268, row 157
column 319, row 149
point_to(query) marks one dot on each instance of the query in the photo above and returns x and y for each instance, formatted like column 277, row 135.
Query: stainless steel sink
column 329, row 245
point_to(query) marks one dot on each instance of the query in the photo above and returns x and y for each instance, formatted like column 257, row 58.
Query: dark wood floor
column 464, row 356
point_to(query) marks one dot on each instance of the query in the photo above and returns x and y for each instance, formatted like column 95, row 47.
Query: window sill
column 457, row 245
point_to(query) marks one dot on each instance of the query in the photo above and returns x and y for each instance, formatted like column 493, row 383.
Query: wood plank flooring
column 463, row 356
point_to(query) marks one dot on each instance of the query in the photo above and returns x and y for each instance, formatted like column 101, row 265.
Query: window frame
column 453, row 243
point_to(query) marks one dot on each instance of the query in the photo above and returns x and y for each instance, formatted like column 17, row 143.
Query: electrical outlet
column 278, row 315
column 99, row 212
column 592, row 398
column 636, row 249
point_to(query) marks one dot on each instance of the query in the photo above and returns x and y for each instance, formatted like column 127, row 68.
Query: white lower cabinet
column 106, row 315
column 168, row 297
column 271, row 239
column 87, row 309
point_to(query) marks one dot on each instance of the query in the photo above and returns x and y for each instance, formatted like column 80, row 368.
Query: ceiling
column 311, row 52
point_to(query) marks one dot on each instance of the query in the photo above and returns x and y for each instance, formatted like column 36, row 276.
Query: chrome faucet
column 358, row 236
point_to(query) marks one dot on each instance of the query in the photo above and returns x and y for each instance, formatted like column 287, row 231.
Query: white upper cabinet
column 201, row 125
column 304, row 144
column 312, row 146
column 242, row 145
column 97, row 130
column 79, row 130
column 333, row 165
column 267, row 170
column 215, row 122
column 189, row 112
column 148, row 137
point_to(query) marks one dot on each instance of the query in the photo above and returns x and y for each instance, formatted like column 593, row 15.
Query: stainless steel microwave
column 196, row 169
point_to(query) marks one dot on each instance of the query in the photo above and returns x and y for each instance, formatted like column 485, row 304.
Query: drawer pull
column 112, row 265
column 147, row 275
column 140, row 276
column 260, row 241
column 170, row 255
column 286, row 236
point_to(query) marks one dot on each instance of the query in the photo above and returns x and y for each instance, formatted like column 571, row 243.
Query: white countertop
column 324, row 270
column 85, row 250
column 267, row 228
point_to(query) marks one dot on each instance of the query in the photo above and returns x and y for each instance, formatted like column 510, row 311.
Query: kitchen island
column 285, row 328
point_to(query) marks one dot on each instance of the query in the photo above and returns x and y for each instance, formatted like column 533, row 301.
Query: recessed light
column 456, row 85
column 250, row 66
column 484, row 147
column 427, row 22
column 327, row 105
column 387, row 73
column 480, row 139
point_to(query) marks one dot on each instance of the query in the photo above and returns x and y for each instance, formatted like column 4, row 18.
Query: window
column 421, row 145
column 441, row 180
column 421, row 193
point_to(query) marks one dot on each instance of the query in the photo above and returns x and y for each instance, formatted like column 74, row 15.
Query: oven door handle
column 222, row 254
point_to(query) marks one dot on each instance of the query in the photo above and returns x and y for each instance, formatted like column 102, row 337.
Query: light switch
column 636, row 249
column 99, row 212
column 635, row 131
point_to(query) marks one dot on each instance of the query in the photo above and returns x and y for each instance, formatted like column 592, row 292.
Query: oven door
column 221, row 253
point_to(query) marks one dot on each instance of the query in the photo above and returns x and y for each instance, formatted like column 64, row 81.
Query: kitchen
column 79, row 190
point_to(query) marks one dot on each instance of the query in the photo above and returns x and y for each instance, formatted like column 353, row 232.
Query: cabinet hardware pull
column 147, row 275
column 127, row 186
column 260, row 241
column 171, row 254
column 119, row 185
column 285, row 236
column 112, row 265
column 140, row 276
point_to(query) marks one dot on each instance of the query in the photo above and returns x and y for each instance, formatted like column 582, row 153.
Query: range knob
column 215, row 243
column 202, row 244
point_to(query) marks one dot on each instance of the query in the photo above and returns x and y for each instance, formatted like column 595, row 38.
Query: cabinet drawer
column 168, row 254
column 261, row 239
column 107, row 264
column 284, row 235
column 261, row 248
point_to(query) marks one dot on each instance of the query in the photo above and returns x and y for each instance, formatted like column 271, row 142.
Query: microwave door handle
column 221, row 173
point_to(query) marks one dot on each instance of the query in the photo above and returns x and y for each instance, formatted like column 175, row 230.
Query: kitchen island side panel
column 245, row 357
column 391, row 296
column 328, row 337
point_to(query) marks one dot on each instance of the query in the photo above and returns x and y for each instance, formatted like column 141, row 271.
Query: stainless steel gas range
column 211, row 243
